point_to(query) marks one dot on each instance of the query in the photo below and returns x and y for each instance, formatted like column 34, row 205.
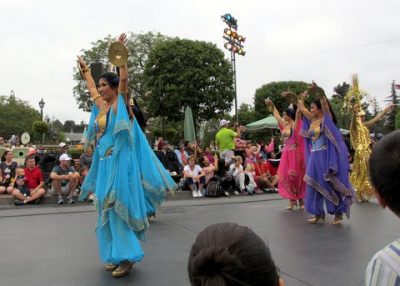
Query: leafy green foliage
column 16, row 116
column 139, row 46
column 246, row 114
column 182, row 73
column 273, row 91
column 341, row 90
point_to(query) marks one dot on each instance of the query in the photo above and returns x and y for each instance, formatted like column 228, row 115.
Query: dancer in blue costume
column 115, row 175
column 327, row 167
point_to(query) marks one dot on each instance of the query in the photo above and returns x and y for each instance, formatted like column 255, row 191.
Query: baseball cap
column 64, row 157
column 223, row 122
column 62, row 144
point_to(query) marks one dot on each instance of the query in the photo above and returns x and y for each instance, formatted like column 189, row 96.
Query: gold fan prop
column 117, row 54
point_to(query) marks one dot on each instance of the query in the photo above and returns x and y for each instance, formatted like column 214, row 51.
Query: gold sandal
column 315, row 219
column 122, row 269
column 338, row 219
column 301, row 205
column 291, row 205
column 111, row 267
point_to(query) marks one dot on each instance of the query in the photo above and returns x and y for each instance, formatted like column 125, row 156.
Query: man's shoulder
column 388, row 257
column 56, row 168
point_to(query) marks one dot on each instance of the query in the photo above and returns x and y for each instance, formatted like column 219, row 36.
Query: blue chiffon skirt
column 156, row 180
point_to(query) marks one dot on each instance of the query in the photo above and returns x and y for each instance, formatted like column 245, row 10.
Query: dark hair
column 291, row 113
column 111, row 78
column 384, row 170
column 317, row 102
column 3, row 157
column 138, row 114
column 229, row 254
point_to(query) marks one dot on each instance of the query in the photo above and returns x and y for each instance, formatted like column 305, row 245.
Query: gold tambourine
column 270, row 106
column 290, row 97
column 117, row 54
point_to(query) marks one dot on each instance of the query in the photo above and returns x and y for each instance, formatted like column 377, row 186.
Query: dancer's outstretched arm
column 91, row 85
column 379, row 116
column 301, row 107
column 277, row 116
column 123, row 71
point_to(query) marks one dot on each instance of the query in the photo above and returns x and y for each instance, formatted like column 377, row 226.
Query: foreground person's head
column 384, row 170
column 227, row 254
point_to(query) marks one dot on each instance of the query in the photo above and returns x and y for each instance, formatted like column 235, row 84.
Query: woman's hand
column 122, row 39
column 316, row 91
column 268, row 102
column 389, row 108
column 81, row 62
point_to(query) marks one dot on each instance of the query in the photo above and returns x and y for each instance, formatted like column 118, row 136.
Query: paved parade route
column 57, row 246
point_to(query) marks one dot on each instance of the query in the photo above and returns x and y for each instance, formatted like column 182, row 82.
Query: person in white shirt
column 194, row 177
column 236, row 170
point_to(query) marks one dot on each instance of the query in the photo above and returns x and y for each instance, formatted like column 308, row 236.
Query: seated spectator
column 65, row 179
column 262, row 175
column 251, row 154
column 28, row 184
column 194, row 177
column 229, row 254
column 182, row 155
column 85, row 161
column 2, row 142
column 207, row 152
column 239, row 175
column 7, row 172
column 384, row 170
column 208, row 168
column 160, row 143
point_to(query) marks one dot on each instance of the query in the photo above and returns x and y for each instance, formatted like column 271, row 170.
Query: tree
column 273, row 91
column 139, row 46
column 341, row 90
column 16, row 116
column 40, row 128
column 69, row 126
column 390, row 123
column 246, row 114
column 182, row 73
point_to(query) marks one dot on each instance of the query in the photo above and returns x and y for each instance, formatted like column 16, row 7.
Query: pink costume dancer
column 291, row 167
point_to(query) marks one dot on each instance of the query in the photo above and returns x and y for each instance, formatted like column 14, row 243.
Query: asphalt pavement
column 57, row 245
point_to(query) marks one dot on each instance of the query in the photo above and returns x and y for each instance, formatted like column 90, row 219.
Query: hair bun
column 215, row 261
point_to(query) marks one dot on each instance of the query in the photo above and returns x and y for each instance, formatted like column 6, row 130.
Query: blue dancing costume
column 327, row 169
column 121, row 190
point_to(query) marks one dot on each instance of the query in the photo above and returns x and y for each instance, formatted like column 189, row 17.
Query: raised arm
column 301, row 107
column 319, row 93
column 91, row 85
column 281, row 121
column 379, row 116
column 123, row 72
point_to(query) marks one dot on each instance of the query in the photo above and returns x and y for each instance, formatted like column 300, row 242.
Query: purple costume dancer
column 327, row 167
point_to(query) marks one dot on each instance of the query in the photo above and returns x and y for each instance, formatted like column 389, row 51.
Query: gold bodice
column 315, row 129
column 101, row 118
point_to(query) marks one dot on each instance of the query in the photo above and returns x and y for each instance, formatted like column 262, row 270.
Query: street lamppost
column 234, row 44
column 41, row 105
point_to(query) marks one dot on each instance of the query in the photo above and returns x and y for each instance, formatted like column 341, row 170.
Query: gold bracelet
column 85, row 69
column 96, row 97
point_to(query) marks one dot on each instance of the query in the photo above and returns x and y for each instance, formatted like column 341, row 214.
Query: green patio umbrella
column 188, row 126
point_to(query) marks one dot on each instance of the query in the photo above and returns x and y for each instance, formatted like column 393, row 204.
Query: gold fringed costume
column 360, row 141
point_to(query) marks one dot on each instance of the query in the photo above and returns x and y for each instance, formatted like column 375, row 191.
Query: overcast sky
column 324, row 41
